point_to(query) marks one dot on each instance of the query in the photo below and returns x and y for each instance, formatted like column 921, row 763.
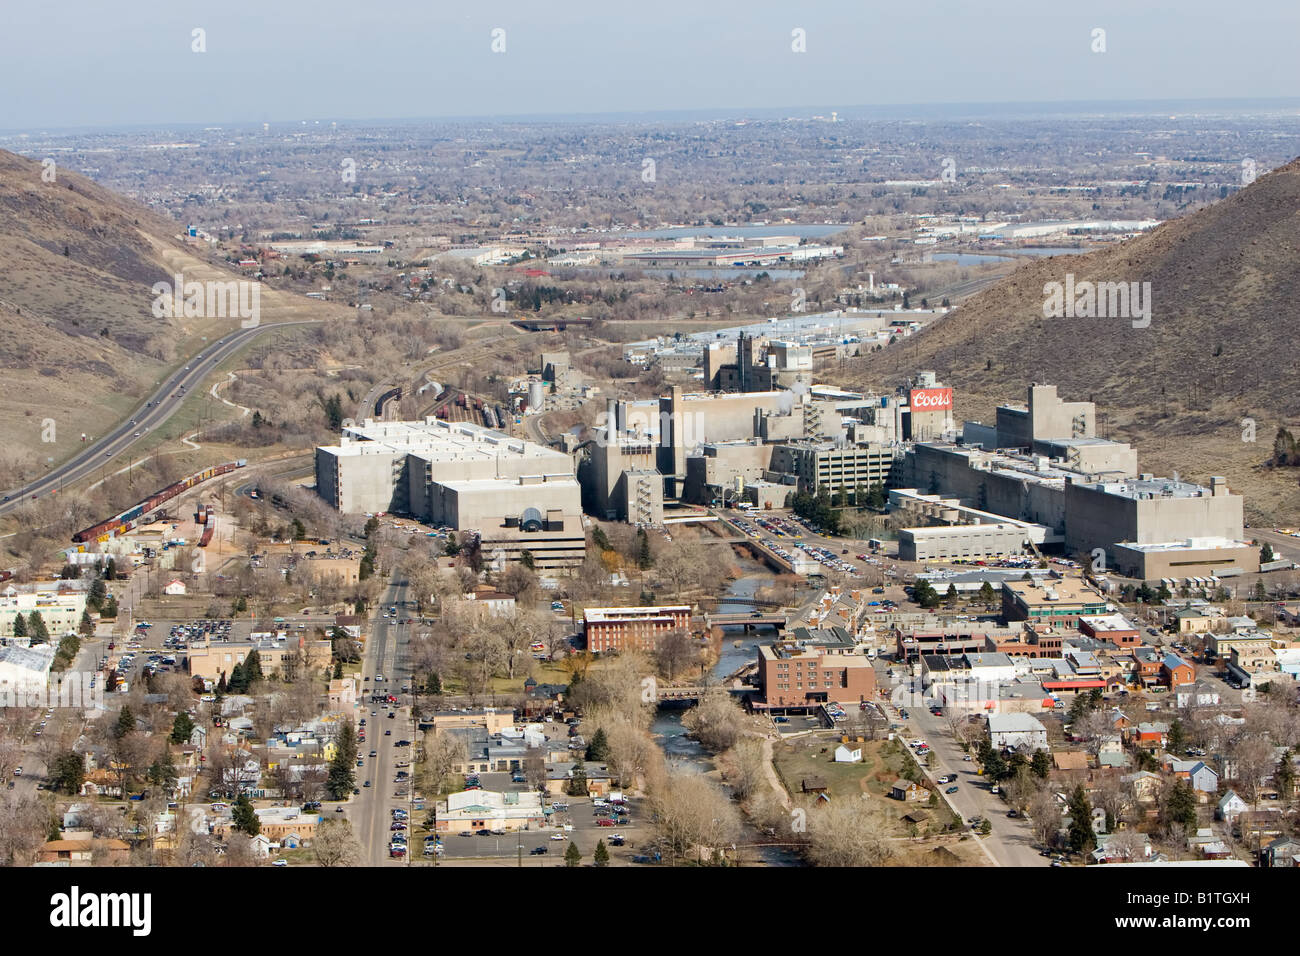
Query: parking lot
column 554, row 838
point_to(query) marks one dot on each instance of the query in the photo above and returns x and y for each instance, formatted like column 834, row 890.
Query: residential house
column 1199, row 694
column 1151, row 735
column 1146, row 786
column 1176, row 672
column 84, row 852
column 908, row 792
column 1198, row 773
column 847, row 754
column 1230, row 806
column 1284, row 851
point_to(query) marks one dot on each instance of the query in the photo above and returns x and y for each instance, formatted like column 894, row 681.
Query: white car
column 557, row 836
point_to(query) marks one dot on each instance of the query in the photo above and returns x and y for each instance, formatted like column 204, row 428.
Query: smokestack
column 611, row 422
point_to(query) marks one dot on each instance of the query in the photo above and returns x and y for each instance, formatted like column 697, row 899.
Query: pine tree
column 243, row 817
column 644, row 559
column 37, row 632
column 572, row 856
column 238, row 682
column 1041, row 765
column 1177, row 738
column 578, row 781
column 125, row 723
column 338, row 670
column 20, row 626
column 601, row 856
column 598, row 749
column 110, row 608
column 87, row 626
column 253, row 667
column 1082, row 839
column 98, row 591
column 182, row 728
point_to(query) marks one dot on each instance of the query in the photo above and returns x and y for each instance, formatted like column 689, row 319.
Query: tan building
column 489, row 718
column 1055, row 601
column 211, row 660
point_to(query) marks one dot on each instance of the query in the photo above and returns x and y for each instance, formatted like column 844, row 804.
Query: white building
column 25, row 670
column 1016, row 729
column 60, row 605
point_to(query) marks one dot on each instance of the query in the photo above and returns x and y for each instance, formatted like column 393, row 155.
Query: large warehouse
column 517, row 495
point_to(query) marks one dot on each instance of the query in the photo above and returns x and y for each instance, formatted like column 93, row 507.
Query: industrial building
column 1058, row 601
column 830, row 466
column 960, row 541
column 515, row 495
column 59, row 604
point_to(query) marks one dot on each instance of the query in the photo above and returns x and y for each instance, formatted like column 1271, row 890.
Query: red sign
column 931, row 399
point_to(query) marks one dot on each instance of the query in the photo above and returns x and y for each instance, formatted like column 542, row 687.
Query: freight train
column 206, row 539
column 126, row 520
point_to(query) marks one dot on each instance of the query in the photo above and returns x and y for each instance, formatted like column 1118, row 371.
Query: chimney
column 611, row 422
column 1218, row 486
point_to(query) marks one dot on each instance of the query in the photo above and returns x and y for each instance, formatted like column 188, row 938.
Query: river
column 685, row 754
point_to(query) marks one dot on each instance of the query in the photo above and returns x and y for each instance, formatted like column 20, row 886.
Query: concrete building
column 961, row 541
column 59, row 603
column 618, row 475
column 1044, row 417
column 515, row 495
column 1194, row 557
column 835, row 465
column 24, row 671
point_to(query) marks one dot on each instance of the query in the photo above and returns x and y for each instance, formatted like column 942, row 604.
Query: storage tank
column 535, row 394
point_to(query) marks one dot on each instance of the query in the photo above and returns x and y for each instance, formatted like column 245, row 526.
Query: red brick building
column 632, row 628
column 791, row 676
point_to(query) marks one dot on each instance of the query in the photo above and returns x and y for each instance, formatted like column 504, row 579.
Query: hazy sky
column 118, row 62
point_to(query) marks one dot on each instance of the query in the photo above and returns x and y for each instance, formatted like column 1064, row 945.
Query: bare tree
column 693, row 815
column 1254, row 760
column 850, row 833
column 674, row 651
column 335, row 844
column 1045, row 814
column 441, row 752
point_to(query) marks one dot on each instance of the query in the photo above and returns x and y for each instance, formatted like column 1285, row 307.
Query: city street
column 1011, row 843
column 387, row 655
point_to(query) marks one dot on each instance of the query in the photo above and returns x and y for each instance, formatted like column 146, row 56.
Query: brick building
column 632, row 628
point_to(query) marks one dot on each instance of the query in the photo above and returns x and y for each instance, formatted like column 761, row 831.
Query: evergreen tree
column 644, row 559
column 87, row 626
column 37, row 632
column 986, row 593
column 238, row 682
column 578, row 781
column 299, row 529
column 1180, row 807
column 182, row 728
column 1082, row 839
column 598, row 749
column 98, row 591
column 125, row 723
column 162, row 772
column 572, row 857
column 20, row 626
column 243, row 818
column 1266, row 553
column 110, row 608
column 434, row 684
column 240, row 605
column 342, row 772
column 1177, row 737
column 68, row 772
column 110, row 570
column 1041, row 765
column 601, row 856
column 253, row 667
column 338, row 670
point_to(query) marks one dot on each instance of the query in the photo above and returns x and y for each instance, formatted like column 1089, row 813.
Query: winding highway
column 161, row 405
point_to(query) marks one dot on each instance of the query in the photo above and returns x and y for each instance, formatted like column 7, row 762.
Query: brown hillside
column 81, row 343
column 1219, row 348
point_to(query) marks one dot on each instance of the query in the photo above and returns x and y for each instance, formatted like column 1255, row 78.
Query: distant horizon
column 920, row 111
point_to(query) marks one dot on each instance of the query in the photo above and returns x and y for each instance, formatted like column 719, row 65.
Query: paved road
column 387, row 654
column 1011, row 843
column 160, row 406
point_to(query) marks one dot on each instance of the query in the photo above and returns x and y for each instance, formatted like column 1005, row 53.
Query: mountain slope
column 82, row 345
column 1219, row 348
